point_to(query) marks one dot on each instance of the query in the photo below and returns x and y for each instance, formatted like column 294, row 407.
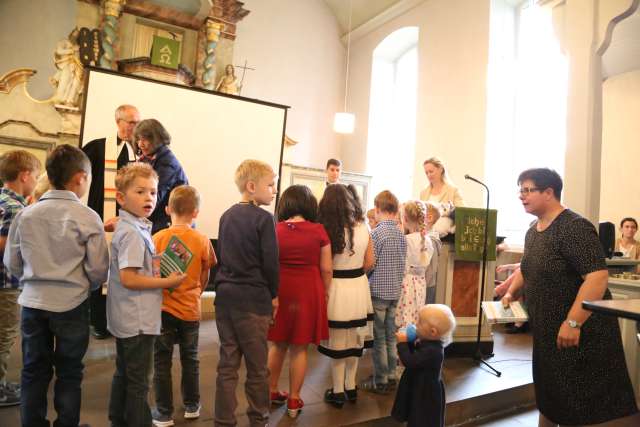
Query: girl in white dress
column 349, row 307
column 416, row 220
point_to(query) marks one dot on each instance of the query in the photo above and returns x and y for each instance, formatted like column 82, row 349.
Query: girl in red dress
column 305, row 274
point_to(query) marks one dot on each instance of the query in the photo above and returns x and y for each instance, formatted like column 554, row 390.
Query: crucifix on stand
column 244, row 70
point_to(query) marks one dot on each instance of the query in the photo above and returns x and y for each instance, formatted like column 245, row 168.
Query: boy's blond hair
column 16, row 161
column 386, row 202
column 251, row 170
column 128, row 174
column 184, row 200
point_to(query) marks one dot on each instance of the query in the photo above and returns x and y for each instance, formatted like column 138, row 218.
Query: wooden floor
column 466, row 382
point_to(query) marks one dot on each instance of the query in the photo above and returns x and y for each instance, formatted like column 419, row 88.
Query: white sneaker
column 161, row 423
column 160, row 420
column 192, row 411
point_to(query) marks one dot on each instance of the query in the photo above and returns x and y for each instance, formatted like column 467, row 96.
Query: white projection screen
column 211, row 134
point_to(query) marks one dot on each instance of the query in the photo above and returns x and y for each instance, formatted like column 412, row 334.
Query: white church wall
column 28, row 37
column 619, row 186
column 453, row 53
column 299, row 60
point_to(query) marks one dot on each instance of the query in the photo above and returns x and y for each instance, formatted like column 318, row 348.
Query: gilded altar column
column 112, row 10
column 213, row 30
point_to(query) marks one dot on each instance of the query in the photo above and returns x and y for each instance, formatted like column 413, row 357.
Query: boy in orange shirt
column 181, row 307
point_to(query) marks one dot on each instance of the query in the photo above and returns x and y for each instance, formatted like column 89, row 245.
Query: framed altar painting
column 315, row 179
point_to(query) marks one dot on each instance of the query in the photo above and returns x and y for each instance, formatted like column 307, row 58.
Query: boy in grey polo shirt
column 134, row 297
column 57, row 249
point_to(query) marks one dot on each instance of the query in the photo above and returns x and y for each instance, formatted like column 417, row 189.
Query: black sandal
column 352, row 395
column 335, row 399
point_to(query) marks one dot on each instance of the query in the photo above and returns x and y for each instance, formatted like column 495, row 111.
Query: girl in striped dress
column 349, row 307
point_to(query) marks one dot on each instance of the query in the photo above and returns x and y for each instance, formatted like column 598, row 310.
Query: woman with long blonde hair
column 440, row 189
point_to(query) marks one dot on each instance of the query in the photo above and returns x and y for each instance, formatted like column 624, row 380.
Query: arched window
column 392, row 113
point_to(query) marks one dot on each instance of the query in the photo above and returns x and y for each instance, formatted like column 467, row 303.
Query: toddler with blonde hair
column 420, row 400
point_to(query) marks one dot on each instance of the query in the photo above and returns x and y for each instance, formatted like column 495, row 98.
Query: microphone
column 473, row 179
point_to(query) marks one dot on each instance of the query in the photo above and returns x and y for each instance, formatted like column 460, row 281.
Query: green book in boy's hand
column 176, row 257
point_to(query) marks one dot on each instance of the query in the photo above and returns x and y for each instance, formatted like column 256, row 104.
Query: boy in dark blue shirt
column 246, row 293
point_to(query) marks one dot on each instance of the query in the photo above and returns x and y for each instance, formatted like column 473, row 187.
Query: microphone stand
column 477, row 354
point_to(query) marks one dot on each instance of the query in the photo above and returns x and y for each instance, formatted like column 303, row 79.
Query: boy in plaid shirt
column 390, row 247
column 19, row 172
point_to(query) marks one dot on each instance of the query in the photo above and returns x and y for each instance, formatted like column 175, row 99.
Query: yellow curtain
column 143, row 39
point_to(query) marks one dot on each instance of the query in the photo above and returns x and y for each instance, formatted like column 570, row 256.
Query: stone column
column 213, row 30
column 112, row 10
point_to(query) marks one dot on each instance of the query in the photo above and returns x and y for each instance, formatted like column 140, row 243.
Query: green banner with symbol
column 165, row 52
column 470, row 223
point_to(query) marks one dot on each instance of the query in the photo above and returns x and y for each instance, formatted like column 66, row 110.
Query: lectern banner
column 470, row 224
column 165, row 52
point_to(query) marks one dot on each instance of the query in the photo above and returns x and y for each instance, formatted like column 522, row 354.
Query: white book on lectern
column 495, row 312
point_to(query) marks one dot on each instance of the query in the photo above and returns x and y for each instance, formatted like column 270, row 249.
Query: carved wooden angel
column 68, row 79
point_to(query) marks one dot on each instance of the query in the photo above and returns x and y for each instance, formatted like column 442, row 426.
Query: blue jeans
column 385, row 358
column 185, row 334
column 128, row 404
column 51, row 340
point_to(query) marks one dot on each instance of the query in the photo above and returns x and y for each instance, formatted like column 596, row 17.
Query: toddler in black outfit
column 420, row 399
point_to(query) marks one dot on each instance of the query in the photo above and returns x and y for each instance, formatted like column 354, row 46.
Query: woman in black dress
column 579, row 369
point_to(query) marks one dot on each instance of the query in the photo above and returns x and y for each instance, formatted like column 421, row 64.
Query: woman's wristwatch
column 573, row 324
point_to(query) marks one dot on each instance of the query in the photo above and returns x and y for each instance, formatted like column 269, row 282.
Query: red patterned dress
column 302, row 313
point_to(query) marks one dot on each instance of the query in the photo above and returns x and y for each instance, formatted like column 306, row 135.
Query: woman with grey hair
column 151, row 142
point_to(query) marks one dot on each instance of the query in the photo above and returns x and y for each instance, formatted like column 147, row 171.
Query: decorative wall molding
column 13, row 78
column 612, row 24
column 142, row 67
column 550, row 3
column 393, row 12
column 28, row 125
column 289, row 142
column 227, row 12
column 27, row 143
